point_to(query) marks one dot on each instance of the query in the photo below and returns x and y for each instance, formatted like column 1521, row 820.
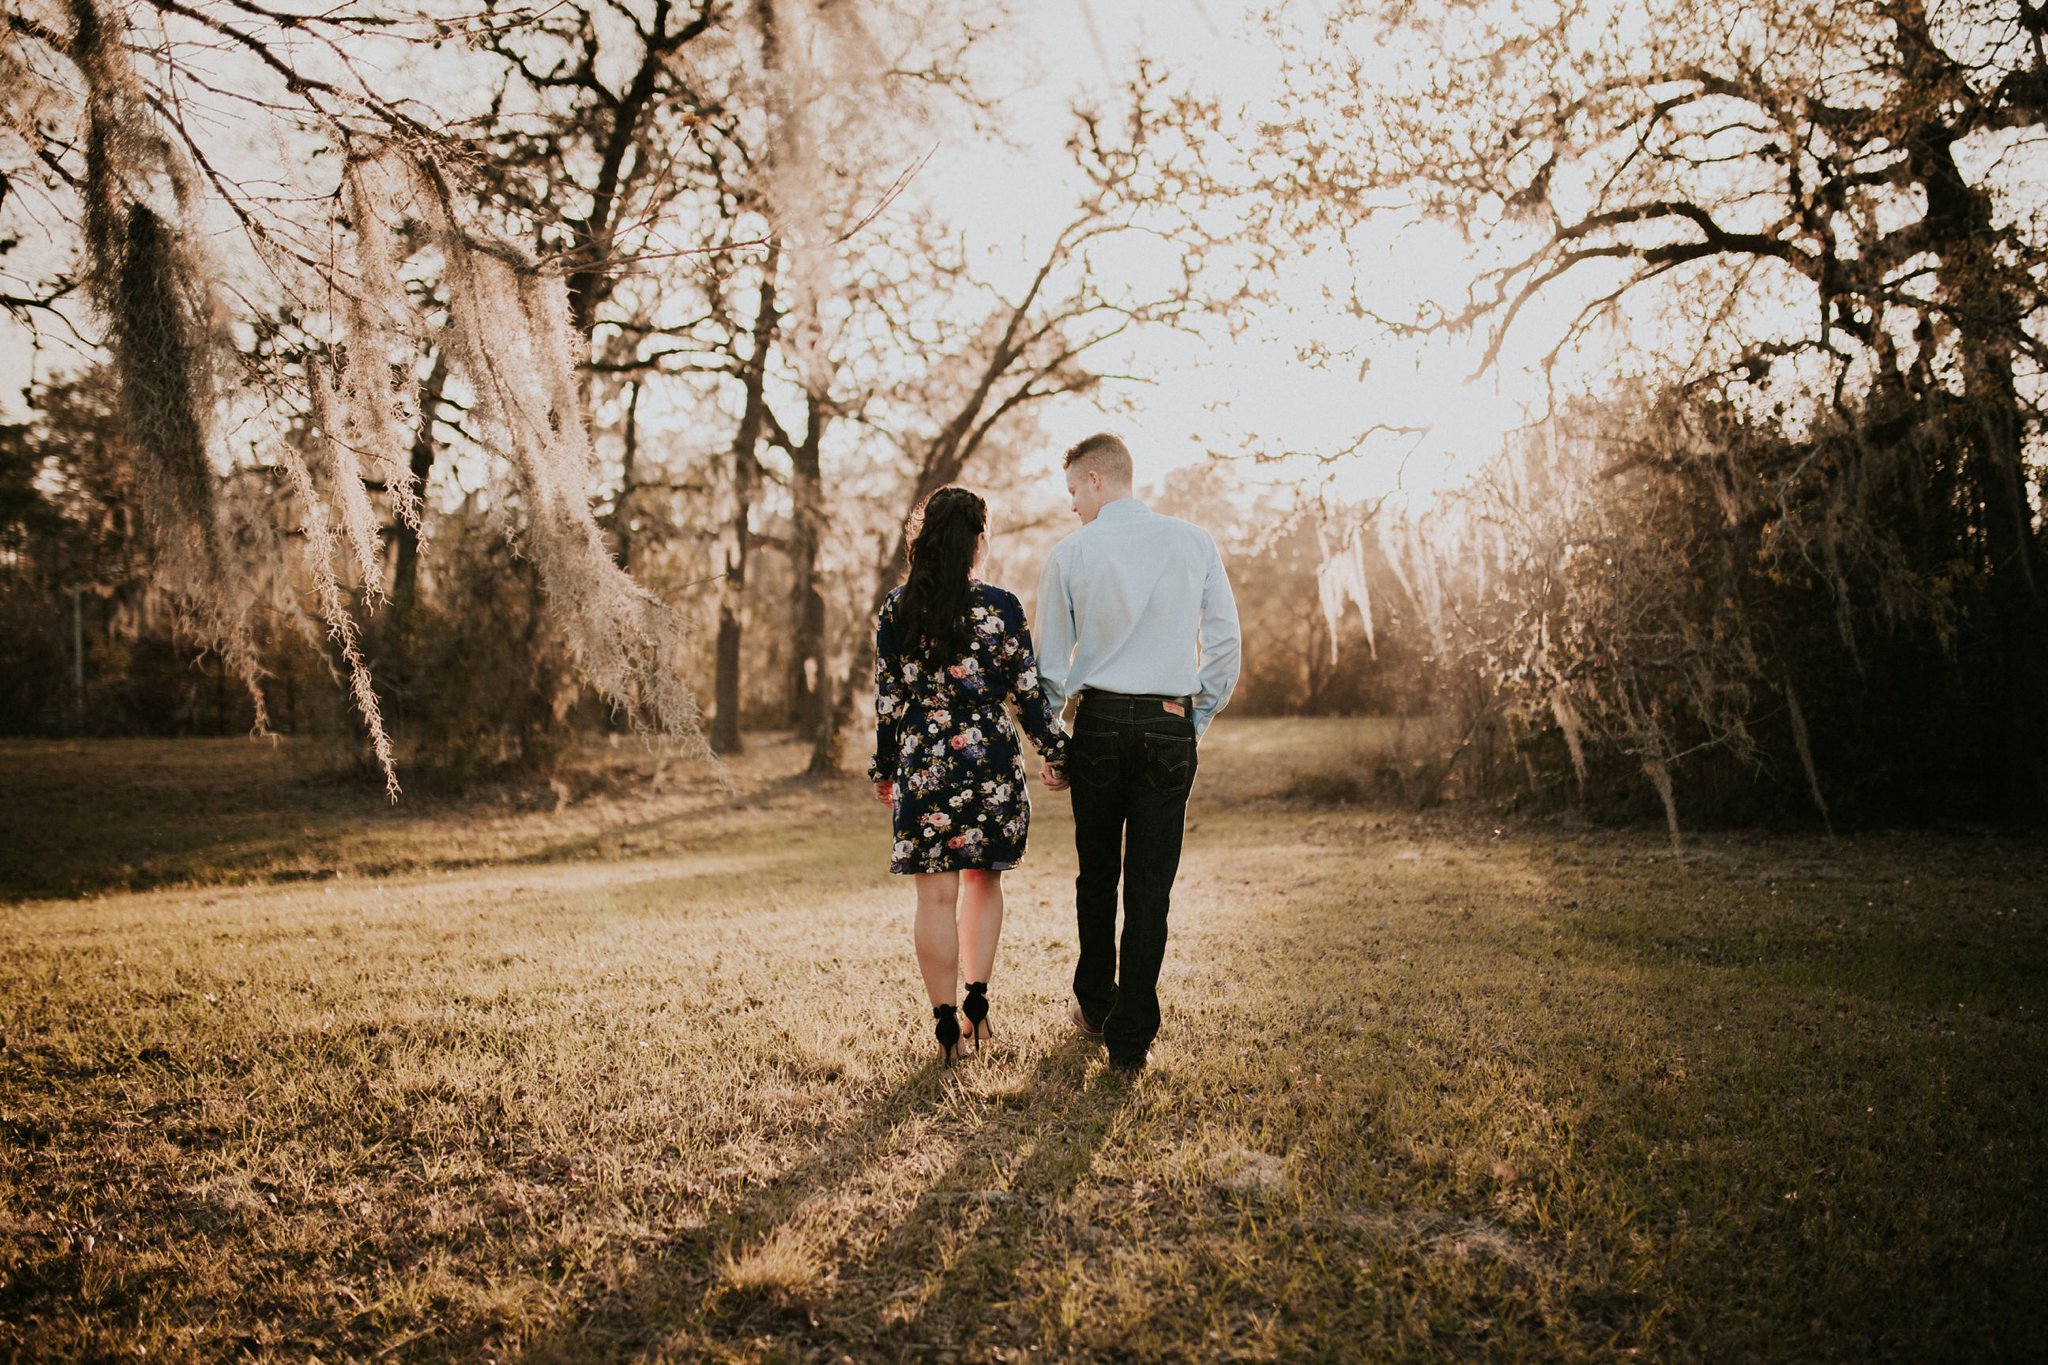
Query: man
column 1135, row 618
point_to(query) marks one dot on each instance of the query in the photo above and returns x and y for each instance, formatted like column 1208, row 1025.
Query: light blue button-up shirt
column 1138, row 602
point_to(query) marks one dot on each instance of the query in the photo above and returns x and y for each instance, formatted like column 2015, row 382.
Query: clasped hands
column 1054, row 779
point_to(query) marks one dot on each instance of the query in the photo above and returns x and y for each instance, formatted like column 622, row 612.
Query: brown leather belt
column 1098, row 694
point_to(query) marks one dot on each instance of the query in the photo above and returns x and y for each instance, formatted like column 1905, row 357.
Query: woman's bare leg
column 981, row 922
column 938, row 935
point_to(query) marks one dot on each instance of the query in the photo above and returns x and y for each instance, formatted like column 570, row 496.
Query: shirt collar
column 1122, row 507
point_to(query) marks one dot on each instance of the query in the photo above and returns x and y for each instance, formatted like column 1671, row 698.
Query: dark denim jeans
column 1132, row 764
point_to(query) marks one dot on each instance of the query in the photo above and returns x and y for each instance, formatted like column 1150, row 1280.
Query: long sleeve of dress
column 891, row 699
column 1028, row 693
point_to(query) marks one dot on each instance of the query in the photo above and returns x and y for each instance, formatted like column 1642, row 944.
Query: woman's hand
column 1052, row 777
column 885, row 792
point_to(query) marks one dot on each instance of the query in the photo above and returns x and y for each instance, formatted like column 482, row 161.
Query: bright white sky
column 1235, row 396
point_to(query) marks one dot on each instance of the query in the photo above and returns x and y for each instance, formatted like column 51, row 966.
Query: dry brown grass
column 1428, row 1090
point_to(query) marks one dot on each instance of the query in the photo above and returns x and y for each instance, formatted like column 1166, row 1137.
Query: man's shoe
column 1132, row 1063
column 1088, row 1030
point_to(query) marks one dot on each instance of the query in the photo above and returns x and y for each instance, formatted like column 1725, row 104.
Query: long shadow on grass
column 610, row 839
column 670, row 1284
column 936, row 1281
column 678, row 1298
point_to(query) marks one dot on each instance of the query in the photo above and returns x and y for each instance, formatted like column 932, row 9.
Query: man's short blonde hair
column 1106, row 454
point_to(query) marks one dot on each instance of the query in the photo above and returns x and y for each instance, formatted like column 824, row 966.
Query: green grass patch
column 649, row 1077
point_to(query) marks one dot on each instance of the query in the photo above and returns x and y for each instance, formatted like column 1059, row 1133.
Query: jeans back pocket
column 1169, row 762
column 1092, row 760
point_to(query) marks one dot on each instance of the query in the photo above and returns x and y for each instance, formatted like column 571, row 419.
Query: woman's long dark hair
column 932, row 612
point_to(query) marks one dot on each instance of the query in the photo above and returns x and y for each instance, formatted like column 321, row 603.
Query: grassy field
column 289, row 1075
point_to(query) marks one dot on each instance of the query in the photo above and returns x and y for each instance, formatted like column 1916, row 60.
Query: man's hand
column 1054, row 779
column 885, row 792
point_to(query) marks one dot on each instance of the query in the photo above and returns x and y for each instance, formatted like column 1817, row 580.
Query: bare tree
column 1042, row 343
column 733, row 143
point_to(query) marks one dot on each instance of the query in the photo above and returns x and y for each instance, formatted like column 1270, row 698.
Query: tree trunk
column 810, row 690
column 1983, row 303
column 726, row 689
column 725, row 692
column 622, row 509
column 835, row 706
column 2015, row 735
column 405, row 575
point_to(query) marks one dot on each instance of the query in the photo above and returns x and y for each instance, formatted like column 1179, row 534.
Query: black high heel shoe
column 947, row 1030
column 975, row 1007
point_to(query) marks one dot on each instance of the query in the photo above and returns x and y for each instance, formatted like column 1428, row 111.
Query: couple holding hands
column 1136, row 621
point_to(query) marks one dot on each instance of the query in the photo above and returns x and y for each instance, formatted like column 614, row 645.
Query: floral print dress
column 943, row 738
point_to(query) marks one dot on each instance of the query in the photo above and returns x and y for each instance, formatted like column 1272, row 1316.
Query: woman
column 949, row 652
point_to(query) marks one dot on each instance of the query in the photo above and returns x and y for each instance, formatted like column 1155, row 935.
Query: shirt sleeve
column 1222, row 652
column 891, row 700
column 1055, row 632
column 1041, row 719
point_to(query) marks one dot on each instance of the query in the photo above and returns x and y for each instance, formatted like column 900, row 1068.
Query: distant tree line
column 611, row 393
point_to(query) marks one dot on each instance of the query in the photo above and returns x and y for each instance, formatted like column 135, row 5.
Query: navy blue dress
column 943, row 738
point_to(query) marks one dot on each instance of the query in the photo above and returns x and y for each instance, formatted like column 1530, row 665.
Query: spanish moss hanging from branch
column 154, row 289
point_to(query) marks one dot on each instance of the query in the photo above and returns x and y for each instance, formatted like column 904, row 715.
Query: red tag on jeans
column 1173, row 708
